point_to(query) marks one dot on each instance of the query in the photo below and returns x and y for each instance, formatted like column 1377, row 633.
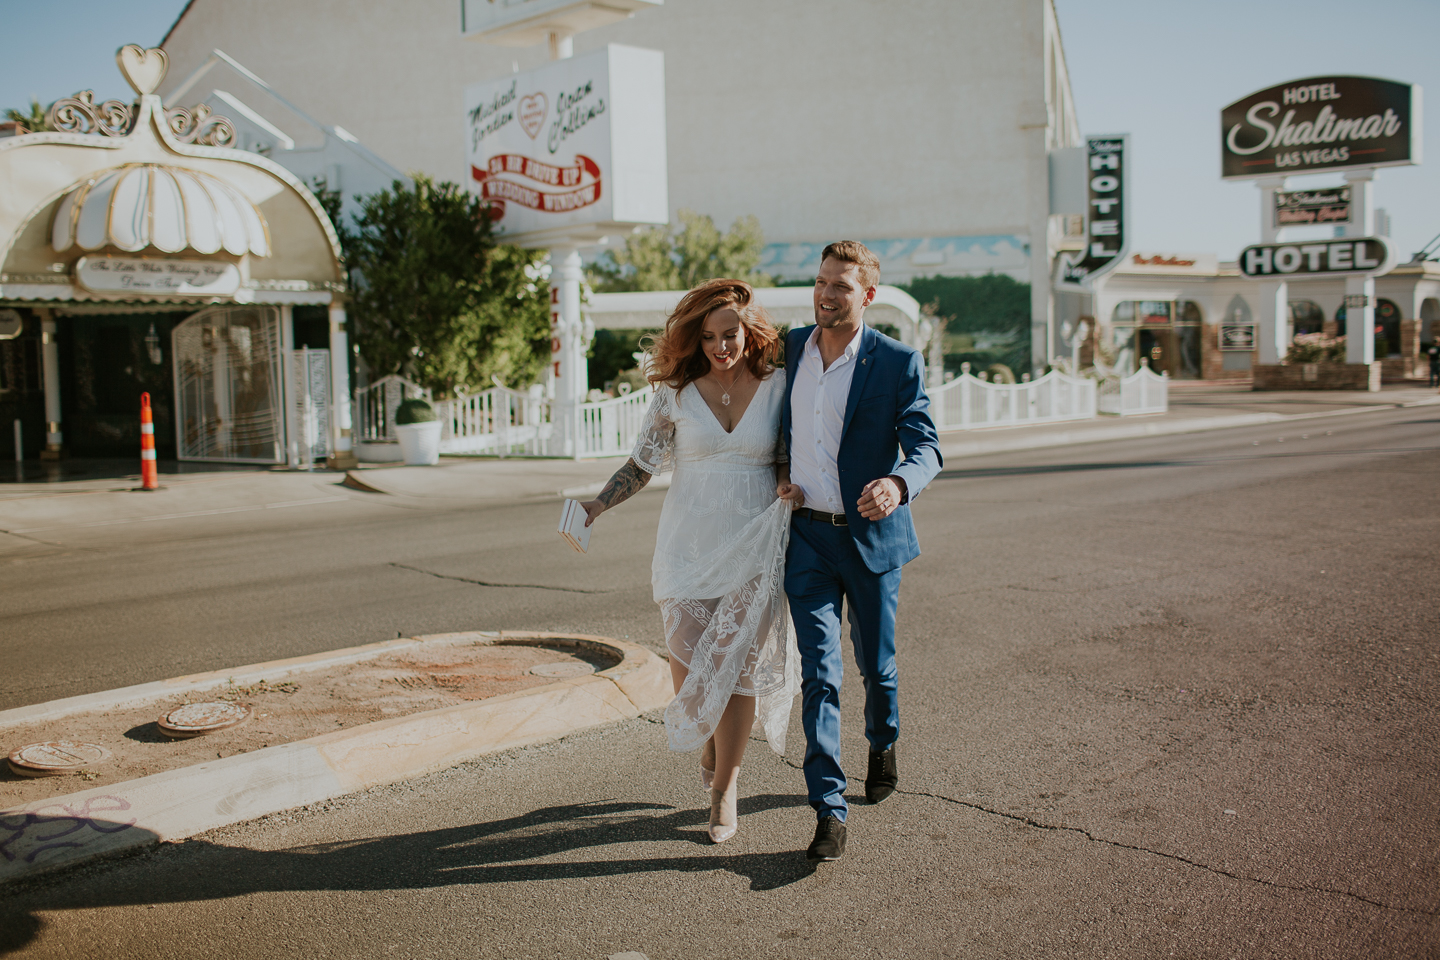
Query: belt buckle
column 839, row 520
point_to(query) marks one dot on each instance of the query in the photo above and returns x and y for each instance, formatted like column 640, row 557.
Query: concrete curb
column 104, row 821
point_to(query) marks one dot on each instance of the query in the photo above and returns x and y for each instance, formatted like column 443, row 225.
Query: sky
column 1159, row 70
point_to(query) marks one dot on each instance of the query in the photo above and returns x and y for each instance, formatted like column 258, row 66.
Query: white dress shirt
column 817, row 414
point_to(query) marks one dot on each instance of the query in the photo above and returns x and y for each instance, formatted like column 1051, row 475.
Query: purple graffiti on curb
column 57, row 821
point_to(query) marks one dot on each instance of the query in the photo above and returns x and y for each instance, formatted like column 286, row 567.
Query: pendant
column 725, row 399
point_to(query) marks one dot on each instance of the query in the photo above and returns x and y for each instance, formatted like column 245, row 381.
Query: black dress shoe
column 882, row 776
column 829, row 842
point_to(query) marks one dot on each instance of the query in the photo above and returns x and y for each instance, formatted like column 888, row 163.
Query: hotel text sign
column 1323, row 123
column 1106, row 240
column 1366, row 255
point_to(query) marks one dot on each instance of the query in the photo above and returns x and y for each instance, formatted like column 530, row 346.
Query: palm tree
column 34, row 121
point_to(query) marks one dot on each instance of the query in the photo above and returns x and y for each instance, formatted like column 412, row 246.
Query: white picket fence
column 608, row 428
column 504, row 422
column 967, row 402
column 375, row 405
column 1144, row 391
column 497, row 421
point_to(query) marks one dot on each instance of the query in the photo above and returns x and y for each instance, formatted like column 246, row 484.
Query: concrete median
column 104, row 821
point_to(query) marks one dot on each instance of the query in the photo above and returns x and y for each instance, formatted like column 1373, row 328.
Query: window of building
column 1306, row 317
column 1387, row 328
column 1163, row 332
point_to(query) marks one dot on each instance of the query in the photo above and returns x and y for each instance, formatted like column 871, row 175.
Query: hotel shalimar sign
column 1322, row 123
column 573, row 150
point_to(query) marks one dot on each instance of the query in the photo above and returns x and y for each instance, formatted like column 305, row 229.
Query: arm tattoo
column 628, row 481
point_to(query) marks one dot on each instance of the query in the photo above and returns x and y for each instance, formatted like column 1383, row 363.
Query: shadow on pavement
column 498, row 852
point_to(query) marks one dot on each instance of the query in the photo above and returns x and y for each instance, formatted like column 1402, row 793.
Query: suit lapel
column 863, row 363
column 794, row 350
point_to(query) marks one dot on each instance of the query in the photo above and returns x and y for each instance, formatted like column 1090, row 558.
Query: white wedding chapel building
column 923, row 128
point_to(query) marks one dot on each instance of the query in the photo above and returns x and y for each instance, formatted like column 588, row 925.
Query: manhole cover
column 198, row 719
column 563, row 669
column 55, row 757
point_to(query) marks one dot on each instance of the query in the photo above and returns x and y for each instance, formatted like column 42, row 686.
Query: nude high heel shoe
column 723, row 820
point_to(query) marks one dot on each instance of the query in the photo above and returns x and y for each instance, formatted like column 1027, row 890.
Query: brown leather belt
column 834, row 519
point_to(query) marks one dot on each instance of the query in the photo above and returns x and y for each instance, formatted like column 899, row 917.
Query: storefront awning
column 169, row 209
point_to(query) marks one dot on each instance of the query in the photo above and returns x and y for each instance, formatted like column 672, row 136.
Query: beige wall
column 871, row 118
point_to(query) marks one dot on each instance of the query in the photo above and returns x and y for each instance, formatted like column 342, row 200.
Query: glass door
column 227, row 385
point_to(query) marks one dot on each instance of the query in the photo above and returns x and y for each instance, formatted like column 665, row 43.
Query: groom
column 862, row 446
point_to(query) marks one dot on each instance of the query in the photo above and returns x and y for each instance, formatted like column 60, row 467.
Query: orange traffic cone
column 149, row 478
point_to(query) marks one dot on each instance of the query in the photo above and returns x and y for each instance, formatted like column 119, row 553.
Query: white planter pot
column 419, row 442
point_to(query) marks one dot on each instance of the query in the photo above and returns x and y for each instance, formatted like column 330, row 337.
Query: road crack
column 487, row 583
column 1081, row 831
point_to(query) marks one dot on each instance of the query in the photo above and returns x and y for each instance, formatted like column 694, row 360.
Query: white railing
column 1143, row 391
column 608, row 428
column 497, row 421
column 375, row 407
column 968, row 402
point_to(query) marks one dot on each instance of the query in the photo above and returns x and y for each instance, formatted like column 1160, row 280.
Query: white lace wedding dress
column 719, row 566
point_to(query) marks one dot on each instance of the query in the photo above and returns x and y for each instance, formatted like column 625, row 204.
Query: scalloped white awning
column 168, row 208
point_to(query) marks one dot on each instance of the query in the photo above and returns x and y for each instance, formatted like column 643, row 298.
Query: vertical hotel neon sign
column 1106, row 237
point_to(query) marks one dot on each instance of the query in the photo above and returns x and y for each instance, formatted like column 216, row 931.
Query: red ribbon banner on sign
column 583, row 177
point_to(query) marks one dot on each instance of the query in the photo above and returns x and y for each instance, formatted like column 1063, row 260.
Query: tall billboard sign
column 1319, row 124
column 571, row 151
column 1106, row 214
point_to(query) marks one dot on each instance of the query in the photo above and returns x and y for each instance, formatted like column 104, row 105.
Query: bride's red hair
column 675, row 355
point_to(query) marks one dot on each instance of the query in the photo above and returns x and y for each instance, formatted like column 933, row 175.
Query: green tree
column 993, row 310
column 34, row 121
column 656, row 258
column 435, row 297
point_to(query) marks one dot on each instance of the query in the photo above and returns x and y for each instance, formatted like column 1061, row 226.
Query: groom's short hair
column 853, row 251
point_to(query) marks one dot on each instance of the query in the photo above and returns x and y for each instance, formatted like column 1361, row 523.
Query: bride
column 719, row 567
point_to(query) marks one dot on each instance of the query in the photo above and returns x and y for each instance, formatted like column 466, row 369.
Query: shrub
column 414, row 410
column 1316, row 348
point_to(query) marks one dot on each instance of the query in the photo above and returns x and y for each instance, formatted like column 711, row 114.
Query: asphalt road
column 1171, row 697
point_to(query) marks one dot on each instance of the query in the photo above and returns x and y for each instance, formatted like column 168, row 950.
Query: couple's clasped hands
column 877, row 501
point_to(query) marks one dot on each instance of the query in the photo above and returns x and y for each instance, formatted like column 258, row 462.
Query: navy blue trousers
column 822, row 569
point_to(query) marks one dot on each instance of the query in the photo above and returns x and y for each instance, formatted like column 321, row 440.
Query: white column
column 1359, row 320
column 287, row 390
column 570, row 376
column 1362, row 205
column 1273, row 315
column 1360, row 291
column 1273, row 318
column 1269, row 233
column 50, row 363
column 343, row 457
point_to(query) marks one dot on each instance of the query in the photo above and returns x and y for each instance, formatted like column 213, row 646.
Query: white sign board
column 574, row 150
column 171, row 278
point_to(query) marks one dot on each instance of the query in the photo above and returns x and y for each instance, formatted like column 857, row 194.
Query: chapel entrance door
column 228, row 385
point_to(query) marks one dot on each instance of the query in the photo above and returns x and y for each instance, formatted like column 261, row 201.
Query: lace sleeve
column 782, row 452
column 655, row 446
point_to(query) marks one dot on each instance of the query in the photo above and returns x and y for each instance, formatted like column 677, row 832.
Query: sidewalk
column 1193, row 408
column 458, row 480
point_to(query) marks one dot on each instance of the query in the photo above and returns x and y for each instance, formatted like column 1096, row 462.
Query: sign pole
column 569, row 372
column 547, row 149
column 1360, row 290
column 1274, row 296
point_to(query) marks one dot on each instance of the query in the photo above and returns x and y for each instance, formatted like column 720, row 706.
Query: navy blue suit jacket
column 887, row 431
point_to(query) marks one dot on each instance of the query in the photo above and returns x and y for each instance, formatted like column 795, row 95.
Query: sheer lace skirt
column 742, row 643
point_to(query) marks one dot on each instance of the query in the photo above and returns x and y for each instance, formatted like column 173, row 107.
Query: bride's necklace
column 725, row 391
